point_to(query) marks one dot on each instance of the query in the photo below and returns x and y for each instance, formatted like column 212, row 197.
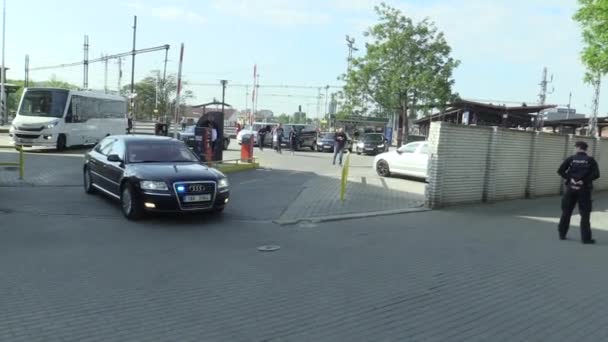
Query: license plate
column 369, row 149
column 197, row 198
column 327, row 146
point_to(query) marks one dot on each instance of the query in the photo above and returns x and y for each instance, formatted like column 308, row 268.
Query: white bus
column 60, row 118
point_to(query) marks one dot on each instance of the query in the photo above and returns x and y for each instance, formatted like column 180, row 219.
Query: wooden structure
column 483, row 114
column 579, row 126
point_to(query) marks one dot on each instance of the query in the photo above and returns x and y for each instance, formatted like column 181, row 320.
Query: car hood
column 173, row 172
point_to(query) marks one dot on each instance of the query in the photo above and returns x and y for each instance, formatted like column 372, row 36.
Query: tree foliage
column 152, row 88
column 593, row 17
column 406, row 64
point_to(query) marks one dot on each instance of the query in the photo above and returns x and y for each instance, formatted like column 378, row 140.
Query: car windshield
column 328, row 136
column 372, row 138
column 147, row 151
column 190, row 129
column 47, row 103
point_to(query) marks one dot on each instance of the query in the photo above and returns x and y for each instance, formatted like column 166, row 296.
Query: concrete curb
column 232, row 168
column 288, row 222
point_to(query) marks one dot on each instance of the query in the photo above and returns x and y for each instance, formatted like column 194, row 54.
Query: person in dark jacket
column 262, row 137
column 293, row 140
column 579, row 171
column 339, row 144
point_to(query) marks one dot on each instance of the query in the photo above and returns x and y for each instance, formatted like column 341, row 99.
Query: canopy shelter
column 484, row 114
column 575, row 126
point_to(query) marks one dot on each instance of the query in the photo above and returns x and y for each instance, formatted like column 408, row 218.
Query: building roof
column 576, row 122
column 521, row 112
column 213, row 103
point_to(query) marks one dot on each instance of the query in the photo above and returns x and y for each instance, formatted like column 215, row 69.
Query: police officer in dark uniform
column 579, row 172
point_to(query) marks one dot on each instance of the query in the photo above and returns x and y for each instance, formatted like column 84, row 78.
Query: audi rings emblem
column 196, row 188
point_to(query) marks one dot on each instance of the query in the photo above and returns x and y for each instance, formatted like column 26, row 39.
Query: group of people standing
column 278, row 136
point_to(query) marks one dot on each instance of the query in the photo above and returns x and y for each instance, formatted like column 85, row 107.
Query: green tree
column 148, row 93
column 283, row 118
column 593, row 17
column 405, row 65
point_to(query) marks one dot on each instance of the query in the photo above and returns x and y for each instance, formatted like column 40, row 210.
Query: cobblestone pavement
column 487, row 273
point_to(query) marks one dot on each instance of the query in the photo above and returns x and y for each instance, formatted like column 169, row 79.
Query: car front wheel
column 383, row 169
column 130, row 208
column 88, row 181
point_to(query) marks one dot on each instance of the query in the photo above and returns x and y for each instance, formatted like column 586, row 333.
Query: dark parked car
column 307, row 136
column 371, row 143
column 187, row 136
column 153, row 174
column 326, row 141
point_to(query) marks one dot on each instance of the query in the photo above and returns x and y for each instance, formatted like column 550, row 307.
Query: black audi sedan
column 153, row 174
column 372, row 143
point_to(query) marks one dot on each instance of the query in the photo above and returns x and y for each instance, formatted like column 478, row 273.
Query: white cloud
column 274, row 12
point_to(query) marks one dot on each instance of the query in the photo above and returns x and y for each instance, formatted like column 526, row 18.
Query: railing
column 20, row 163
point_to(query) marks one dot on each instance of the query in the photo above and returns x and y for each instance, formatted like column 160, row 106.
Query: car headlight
column 361, row 145
column 223, row 183
column 153, row 185
column 381, row 146
column 52, row 124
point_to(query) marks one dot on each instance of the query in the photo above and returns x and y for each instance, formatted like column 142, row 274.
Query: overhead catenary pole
column 224, row 83
column 326, row 100
column 27, row 71
column 569, row 105
column 3, row 80
column 542, row 97
column 119, row 74
column 179, row 90
column 85, row 63
column 105, row 76
column 133, row 53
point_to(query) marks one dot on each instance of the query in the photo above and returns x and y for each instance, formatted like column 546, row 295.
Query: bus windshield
column 47, row 103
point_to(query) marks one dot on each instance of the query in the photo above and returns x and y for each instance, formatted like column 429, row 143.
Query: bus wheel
column 61, row 142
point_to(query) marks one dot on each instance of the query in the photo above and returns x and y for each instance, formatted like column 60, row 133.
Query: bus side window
column 69, row 117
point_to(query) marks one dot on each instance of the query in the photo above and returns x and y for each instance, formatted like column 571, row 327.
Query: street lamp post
column 224, row 83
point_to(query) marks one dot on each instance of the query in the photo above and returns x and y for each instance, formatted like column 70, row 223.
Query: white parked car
column 410, row 160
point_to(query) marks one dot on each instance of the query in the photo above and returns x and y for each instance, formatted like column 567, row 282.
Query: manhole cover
column 269, row 248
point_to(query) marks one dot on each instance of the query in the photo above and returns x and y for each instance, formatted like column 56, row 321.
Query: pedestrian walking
column 262, row 137
column 130, row 123
column 579, row 171
column 293, row 140
column 280, row 133
column 339, row 145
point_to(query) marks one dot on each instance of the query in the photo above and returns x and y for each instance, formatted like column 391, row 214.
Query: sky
column 503, row 45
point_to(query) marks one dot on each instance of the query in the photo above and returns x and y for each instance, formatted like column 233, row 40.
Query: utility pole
column 133, row 65
column 542, row 97
column 119, row 74
column 350, row 42
column 27, row 71
column 597, row 82
column 326, row 100
column 105, row 75
column 569, row 105
column 224, row 83
column 85, row 80
column 3, row 80
column 319, row 103
column 179, row 90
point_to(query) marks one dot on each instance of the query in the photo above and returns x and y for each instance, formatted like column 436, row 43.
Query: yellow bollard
column 344, row 177
column 21, row 163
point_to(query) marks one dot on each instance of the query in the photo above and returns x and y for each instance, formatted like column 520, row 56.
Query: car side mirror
column 114, row 158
